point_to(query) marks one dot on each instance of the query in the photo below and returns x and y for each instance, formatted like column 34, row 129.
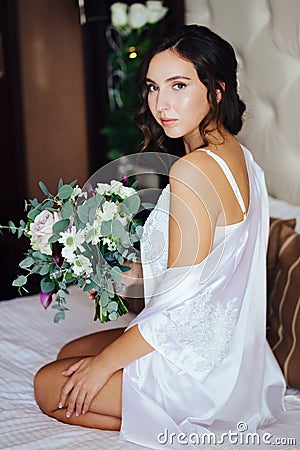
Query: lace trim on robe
column 154, row 241
column 199, row 345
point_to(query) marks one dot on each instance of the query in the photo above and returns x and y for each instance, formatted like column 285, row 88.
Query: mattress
column 29, row 339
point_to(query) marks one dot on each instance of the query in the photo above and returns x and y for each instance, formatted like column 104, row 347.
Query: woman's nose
column 162, row 102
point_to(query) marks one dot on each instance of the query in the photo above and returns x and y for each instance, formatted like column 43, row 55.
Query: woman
column 184, row 364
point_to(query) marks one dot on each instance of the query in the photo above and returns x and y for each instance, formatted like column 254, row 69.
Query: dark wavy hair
column 216, row 65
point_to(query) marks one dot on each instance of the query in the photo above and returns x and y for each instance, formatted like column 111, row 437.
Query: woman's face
column 176, row 97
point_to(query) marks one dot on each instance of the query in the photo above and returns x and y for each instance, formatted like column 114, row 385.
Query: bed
column 265, row 35
column 28, row 340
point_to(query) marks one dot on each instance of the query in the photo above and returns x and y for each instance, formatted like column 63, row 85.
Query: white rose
column 137, row 16
column 156, row 11
column 115, row 187
column 102, row 187
column 41, row 230
column 119, row 14
column 108, row 212
column 125, row 192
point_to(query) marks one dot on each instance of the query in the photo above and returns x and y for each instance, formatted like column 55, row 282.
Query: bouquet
column 83, row 238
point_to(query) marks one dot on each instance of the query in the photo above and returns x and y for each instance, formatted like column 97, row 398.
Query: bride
column 195, row 360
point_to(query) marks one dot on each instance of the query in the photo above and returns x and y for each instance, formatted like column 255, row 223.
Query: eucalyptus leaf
column 113, row 315
column 104, row 299
column 33, row 213
column 12, row 226
column 106, row 227
column 60, row 183
column 44, row 270
column 116, row 274
column 53, row 238
column 20, row 281
column 20, row 232
column 73, row 183
column 27, row 262
column 47, row 285
column 59, row 316
column 60, row 293
column 48, row 205
column 125, row 240
column 39, row 255
column 65, row 192
column 61, row 225
column 83, row 213
column 139, row 231
column 66, row 210
column 131, row 204
column 112, row 306
column 148, row 205
column 109, row 286
column 43, row 188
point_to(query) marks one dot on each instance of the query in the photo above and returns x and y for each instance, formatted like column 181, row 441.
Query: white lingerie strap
column 230, row 178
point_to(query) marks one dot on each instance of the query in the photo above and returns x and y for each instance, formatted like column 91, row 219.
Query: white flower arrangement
column 81, row 238
column 137, row 15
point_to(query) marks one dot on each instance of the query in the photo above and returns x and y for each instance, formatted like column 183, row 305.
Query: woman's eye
column 179, row 86
column 152, row 88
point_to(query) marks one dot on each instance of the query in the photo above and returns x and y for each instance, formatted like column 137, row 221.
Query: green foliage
column 126, row 55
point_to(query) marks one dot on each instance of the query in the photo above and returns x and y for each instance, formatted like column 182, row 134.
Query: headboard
column 266, row 37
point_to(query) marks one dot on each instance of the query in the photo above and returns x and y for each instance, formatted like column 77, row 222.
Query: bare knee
column 41, row 390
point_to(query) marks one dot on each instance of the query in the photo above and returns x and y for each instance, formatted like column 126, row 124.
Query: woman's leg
column 105, row 411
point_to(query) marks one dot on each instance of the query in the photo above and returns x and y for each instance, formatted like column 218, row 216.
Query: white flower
column 108, row 211
column 119, row 14
column 41, row 230
column 68, row 254
column 77, row 191
column 111, row 245
column 115, row 187
column 125, row 192
column 93, row 232
column 156, row 11
column 102, row 188
column 118, row 188
column 71, row 240
column 137, row 15
column 81, row 265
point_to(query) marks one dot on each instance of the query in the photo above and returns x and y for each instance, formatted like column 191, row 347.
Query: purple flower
column 46, row 298
column 56, row 255
column 125, row 181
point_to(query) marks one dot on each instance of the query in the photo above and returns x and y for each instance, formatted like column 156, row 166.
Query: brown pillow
column 283, row 295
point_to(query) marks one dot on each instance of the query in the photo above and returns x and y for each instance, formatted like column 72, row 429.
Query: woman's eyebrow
column 173, row 78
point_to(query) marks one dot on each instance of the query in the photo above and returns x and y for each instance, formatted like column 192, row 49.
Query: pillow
column 283, row 296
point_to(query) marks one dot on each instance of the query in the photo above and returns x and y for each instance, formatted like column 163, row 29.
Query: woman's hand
column 134, row 275
column 86, row 379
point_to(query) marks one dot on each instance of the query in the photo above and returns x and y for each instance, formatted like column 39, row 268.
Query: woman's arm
column 89, row 375
column 194, row 208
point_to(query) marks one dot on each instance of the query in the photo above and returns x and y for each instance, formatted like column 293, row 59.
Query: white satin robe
column 212, row 369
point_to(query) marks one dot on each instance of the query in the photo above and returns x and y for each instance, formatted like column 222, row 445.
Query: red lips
column 167, row 122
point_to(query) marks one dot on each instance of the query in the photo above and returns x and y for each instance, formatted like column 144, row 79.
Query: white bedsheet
column 28, row 340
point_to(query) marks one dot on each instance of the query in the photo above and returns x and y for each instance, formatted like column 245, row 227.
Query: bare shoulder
column 196, row 170
column 194, row 162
